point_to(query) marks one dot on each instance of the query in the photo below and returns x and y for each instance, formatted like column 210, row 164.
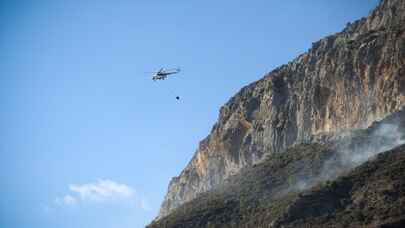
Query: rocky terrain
column 298, row 188
column 301, row 111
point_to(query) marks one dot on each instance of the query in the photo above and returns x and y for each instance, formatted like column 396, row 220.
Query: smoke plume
column 353, row 151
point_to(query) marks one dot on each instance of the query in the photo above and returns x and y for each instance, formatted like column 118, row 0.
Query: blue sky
column 88, row 140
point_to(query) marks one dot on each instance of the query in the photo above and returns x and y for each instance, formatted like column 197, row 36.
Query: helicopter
column 162, row 74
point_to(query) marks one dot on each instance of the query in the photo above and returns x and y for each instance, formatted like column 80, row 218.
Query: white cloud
column 66, row 200
column 69, row 200
column 102, row 190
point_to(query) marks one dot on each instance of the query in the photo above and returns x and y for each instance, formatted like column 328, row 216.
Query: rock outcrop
column 345, row 81
column 372, row 196
column 311, row 185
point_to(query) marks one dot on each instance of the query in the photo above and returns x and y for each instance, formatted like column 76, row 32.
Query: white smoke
column 352, row 152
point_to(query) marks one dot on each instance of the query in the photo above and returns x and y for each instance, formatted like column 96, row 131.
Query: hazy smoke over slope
column 353, row 151
column 386, row 137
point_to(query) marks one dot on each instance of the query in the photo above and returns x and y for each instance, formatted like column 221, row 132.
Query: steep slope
column 293, row 189
column 373, row 195
column 347, row 80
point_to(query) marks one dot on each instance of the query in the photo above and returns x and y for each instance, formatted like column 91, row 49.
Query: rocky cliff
column 372, row 196
column 300, row 188
column 345, row 81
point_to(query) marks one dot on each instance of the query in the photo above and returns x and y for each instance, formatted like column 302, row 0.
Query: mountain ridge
column 346, row 80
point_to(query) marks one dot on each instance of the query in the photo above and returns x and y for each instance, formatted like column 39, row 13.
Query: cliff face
column 290, row 189
column 345, row 81
column 370, row 196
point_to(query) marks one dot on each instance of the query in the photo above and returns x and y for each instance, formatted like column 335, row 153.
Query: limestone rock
column 345, row 81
